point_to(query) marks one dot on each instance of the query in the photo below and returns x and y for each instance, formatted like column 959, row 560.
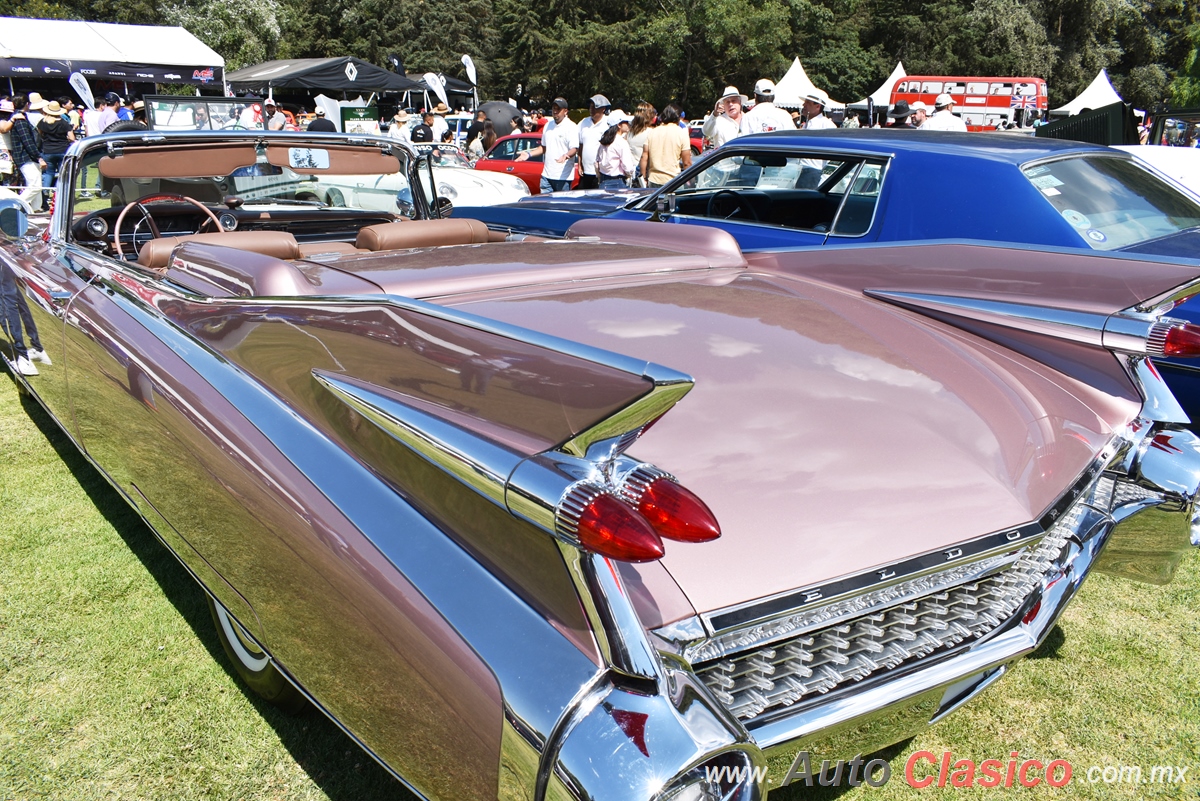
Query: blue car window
column 802, row 191
column 1113, row 203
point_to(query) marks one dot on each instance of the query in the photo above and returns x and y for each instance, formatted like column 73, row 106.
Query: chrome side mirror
column 664, row 206
column 13, row 220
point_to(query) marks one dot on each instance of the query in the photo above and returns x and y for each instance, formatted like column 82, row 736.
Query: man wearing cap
column 108, row 112
column 815, row 103
column 560, row 144
column 920, row 113
column 766, row 116
column 274, row 118
column 899, row 115
column 728, row 120
column 943, row 118
column 590, row 131
column 324, row 125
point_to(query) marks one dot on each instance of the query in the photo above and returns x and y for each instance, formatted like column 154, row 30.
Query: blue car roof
column 1001, row 147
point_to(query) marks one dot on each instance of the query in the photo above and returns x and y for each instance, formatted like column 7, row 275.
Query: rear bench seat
column 402, row 235
column 425, row 234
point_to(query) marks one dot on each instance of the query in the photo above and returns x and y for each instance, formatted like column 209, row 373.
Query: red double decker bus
column 983, row 103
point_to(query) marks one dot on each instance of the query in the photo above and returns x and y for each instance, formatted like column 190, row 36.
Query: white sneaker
column 36, row 355
column 25, row 367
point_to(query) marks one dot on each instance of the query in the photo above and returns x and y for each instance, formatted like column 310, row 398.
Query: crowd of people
column 613, row 149
column 35, row 134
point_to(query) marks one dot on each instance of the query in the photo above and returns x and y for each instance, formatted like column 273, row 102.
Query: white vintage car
column 453, row 179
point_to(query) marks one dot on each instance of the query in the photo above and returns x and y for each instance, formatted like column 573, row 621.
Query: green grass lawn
column 114, row 686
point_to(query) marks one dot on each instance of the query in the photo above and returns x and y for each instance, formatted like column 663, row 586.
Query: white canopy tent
column 794, row 85
column 32, row 49
column 1099, row 93
column 882, row 96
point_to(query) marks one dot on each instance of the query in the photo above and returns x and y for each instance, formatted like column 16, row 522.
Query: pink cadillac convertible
column 629, row 515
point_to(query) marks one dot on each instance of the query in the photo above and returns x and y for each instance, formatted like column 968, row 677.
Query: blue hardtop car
column 861, row 187
column 831, row 188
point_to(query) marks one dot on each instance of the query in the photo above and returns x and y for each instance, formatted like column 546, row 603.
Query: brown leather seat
column 156, row 254
column 423, row 234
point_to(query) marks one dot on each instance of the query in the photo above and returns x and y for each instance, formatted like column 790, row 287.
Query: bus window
column 1026, row 90
column 973, row 119
column 977, row 88
column 994, row 120
column 1002, row 89
column 1042, row 90
column 931, row 88
column 953, row 88
column 903, row 86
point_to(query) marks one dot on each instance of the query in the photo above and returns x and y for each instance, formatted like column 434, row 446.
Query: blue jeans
column 554, row 185
column 50, row 174
column 609, row 182
column 14, row 311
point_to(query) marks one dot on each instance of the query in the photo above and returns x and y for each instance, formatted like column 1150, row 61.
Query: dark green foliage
column 687, row 50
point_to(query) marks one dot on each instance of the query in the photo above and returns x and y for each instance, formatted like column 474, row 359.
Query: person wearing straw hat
column 728, row 120
column 815, row 103
column 34, row 112
column 57, row 136
column 439, row 125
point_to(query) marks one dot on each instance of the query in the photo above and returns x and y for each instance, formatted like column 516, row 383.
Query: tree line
column 687, row 50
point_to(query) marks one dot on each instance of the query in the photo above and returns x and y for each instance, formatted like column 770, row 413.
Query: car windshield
column 1113, row 203
column 247, row 174
column 821, row 192
column 444, row 155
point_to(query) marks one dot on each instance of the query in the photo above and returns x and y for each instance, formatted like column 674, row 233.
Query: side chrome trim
column 481, row 464
column 1159, row 403
column 669, row 386
column 619, row 633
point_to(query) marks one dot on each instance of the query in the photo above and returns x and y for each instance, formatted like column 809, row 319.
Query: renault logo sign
column 351, row 70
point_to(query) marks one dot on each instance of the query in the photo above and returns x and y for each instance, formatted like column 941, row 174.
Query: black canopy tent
column 346, row 72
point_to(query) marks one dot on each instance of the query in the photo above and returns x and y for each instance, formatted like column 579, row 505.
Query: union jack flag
column 1023, row 101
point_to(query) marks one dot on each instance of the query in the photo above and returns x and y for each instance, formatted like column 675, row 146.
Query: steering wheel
column 154, row 232
column 739, row 203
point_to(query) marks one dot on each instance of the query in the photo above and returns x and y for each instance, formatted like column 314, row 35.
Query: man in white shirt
column 440, row 126
column 766, row 116
column 273, row 117
column 815, row 103
column 560, row 144
column 943, row 118
column 920, row 113
column 399, row 127
column 728, row 120
column 590, row 131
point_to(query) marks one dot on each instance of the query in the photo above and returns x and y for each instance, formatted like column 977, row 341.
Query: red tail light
column 1182, row 341
column 675, row 512
column 610, row 528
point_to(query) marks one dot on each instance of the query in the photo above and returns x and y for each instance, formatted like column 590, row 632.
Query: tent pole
column 11, row 91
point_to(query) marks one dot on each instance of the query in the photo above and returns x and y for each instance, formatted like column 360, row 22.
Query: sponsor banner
column 110, row 70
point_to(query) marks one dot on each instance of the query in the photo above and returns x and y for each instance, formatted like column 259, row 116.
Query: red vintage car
column 503, row 154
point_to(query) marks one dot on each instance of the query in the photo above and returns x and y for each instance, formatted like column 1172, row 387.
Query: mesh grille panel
column 763, row 678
